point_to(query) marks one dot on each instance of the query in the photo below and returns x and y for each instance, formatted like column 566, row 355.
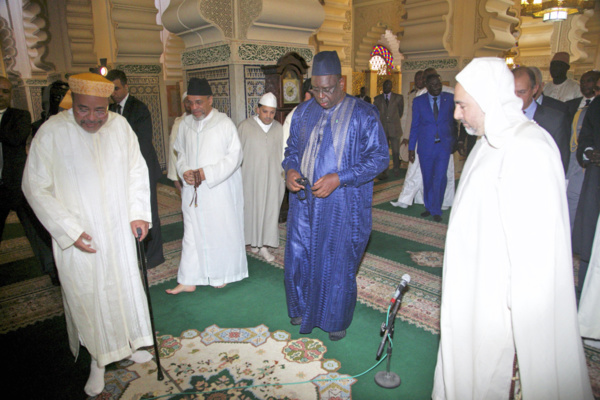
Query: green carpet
column 41, row 365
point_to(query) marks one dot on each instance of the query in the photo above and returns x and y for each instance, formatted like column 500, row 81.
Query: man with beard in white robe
column 262, row 139
column 507, row 286
column 209, row 155
column 87, row 182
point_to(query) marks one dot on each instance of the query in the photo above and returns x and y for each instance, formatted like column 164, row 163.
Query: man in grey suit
column 555, row 122
column 391, row 107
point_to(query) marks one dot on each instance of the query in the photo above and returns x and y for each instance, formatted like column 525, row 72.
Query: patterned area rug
column 27, row 302
column 258, row 363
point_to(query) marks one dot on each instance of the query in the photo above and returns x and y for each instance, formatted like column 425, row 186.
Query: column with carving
column 227, row 41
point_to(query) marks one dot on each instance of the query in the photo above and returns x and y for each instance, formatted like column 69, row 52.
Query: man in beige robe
column 262, row 175
column 507, row 288
column 87, row 182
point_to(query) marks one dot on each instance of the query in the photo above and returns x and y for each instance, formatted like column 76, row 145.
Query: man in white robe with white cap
column 87, row 182
column 508, row 295
column 262, row 139
column 209, row 155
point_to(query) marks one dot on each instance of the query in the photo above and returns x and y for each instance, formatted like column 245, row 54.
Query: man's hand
column 411, row 156
column 138, row 223
column 81, row 245
column 290, row 181
column 194, row 177
column 188, row 177
column 593, row 156
column 404, row 142
column 326, row 185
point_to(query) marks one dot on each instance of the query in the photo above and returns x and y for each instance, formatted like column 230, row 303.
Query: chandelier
column 554, row 10
column 377, row 63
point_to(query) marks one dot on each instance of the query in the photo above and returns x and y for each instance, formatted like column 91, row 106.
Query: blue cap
column 326, row 63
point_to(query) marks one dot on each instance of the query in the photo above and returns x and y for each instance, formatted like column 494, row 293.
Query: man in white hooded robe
column 508, row 281
column 209, row 155
column 88, row 184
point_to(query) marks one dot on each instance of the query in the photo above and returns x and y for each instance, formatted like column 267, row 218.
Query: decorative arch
column 363, row 53
column 174, row 47
column 378, row 34
column 35, row 26
column 9, row 50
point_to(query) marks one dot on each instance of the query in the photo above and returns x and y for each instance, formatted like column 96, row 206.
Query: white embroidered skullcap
column 268, row 100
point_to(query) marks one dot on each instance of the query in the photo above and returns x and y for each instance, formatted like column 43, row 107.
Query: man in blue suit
column 433, row 134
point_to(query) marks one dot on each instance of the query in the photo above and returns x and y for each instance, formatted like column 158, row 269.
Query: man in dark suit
column 578, row 108
column 588, row 209
column 363, row 95
column 555, row 122
column 138, row 116
column 15, row 126
column 434, row 130
column 391, row 107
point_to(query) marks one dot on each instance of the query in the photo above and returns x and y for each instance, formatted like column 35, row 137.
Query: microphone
column 388, row 326
column 405, row 281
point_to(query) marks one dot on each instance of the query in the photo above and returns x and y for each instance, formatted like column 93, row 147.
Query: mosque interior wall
column 163, row 43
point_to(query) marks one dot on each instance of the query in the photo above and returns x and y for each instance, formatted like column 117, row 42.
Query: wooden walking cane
column 142, row 258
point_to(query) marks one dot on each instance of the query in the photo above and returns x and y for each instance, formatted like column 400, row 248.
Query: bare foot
column 220, row 287
column 181, row 288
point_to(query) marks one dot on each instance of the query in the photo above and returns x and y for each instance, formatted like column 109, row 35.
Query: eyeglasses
column 325, row 91
column 84, row 112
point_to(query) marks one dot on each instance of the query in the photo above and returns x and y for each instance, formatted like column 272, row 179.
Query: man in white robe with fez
column 508, row 296
column 336, row 148
column 87, row 182
column 209, row 155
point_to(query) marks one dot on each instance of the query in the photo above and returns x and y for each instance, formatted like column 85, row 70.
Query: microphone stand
column 387, row 379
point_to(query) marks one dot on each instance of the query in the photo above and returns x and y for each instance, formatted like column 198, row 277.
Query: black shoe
column 382, row 176
column 335, row 336
column 54, row 279
column 296, row 321
column 437, row 218
column 425, row 214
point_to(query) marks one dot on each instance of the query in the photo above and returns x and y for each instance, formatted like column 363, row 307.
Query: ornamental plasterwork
column 575, row 37
column 147, row 89
column 219, row 12
column 207, row 55
column 9, row 49
column 250, row 10
column 174, row 47
column 267, row 53
column 362, row 54
column 139, row 69
column 478, row 32
column 496, row 26
column 138, row 39
column 432, row 17
column 80, row 30
column 254, row 85
column 438, row 64
column 35, row 26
